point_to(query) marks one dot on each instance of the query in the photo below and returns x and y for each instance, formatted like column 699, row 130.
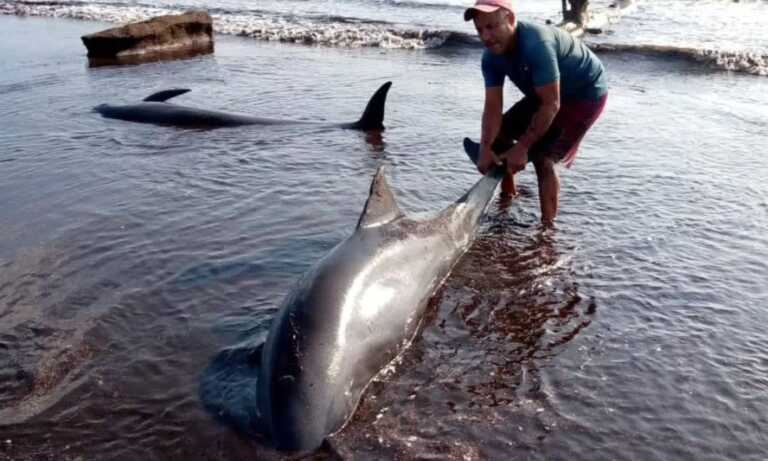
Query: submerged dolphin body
column 155, row 109
column 348, row 317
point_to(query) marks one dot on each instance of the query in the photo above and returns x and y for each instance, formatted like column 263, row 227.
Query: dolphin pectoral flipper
column 381, row 206
column 373, row 115
column 228, row 388
column 162, row 96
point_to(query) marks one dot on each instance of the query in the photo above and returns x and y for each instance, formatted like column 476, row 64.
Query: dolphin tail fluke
column 162, row 96
column 472, row 149
column 373, row 115
column 380, row 207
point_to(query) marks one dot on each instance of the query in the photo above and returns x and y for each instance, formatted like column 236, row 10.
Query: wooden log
column 163, row 37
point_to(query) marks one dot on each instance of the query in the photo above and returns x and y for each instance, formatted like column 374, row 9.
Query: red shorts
column 562, row 139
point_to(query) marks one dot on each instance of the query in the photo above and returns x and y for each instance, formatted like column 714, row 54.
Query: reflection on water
column 157, row 55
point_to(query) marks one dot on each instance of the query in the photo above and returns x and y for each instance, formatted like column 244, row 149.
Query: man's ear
column 511, row 18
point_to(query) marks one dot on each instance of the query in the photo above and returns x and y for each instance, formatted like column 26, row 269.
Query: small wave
column 319, row 30
column 343, row 35
column 750, row 62
column 424, row 5
column 83, row 10
column 461, row 39
column 351, row 20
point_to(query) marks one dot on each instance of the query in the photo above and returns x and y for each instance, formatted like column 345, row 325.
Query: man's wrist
column 523, row 144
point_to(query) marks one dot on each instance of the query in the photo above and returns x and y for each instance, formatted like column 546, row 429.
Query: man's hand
column 487, row 160
column 516, row 158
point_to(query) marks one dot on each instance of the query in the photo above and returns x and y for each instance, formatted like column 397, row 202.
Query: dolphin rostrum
column 155, row 109
column 348, row 317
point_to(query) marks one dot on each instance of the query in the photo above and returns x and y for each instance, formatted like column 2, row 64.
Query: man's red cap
column 486, row 6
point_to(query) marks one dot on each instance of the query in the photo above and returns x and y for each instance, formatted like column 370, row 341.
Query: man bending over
column 564, row 90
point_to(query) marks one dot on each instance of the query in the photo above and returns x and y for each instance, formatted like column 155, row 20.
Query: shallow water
column 131, row 254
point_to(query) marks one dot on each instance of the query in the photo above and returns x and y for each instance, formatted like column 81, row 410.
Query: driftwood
column 163, row 37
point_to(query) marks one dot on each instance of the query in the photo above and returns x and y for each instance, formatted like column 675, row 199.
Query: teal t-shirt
column 543, row 55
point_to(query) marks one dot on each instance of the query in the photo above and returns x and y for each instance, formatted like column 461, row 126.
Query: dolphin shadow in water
column 155, row 109
column 349, row 316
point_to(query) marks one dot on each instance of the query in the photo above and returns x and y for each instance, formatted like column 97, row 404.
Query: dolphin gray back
column 349, row 316
column 163, row 113
column 155, row 109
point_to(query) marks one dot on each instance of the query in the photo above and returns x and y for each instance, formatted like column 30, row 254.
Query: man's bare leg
column 549, row 190
column 508, row 186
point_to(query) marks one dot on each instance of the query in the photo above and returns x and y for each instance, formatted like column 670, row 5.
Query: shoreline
column 745, row 62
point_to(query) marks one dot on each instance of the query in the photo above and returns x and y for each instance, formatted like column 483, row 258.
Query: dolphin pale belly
column 155, row 109
column 348, row 317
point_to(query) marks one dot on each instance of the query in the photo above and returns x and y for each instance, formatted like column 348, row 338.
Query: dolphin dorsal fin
column 381, row 206
column 162, row 96
column 373, row 115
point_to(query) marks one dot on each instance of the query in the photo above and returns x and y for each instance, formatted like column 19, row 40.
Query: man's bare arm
column 494, row 100
column 491, row 124
column 549, row 98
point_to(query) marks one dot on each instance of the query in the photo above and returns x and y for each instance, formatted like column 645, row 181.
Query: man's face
column 495, row 29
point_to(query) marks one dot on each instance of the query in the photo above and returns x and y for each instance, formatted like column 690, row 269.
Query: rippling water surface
column 131, row 254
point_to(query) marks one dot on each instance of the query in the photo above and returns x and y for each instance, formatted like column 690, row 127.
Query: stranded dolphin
column 348, row 317
column 155, row 109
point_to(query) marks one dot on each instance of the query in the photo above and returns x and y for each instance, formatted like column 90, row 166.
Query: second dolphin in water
column 348, row 317
column 155, row 109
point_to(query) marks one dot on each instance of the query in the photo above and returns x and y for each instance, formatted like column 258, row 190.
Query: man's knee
column 545, row 167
